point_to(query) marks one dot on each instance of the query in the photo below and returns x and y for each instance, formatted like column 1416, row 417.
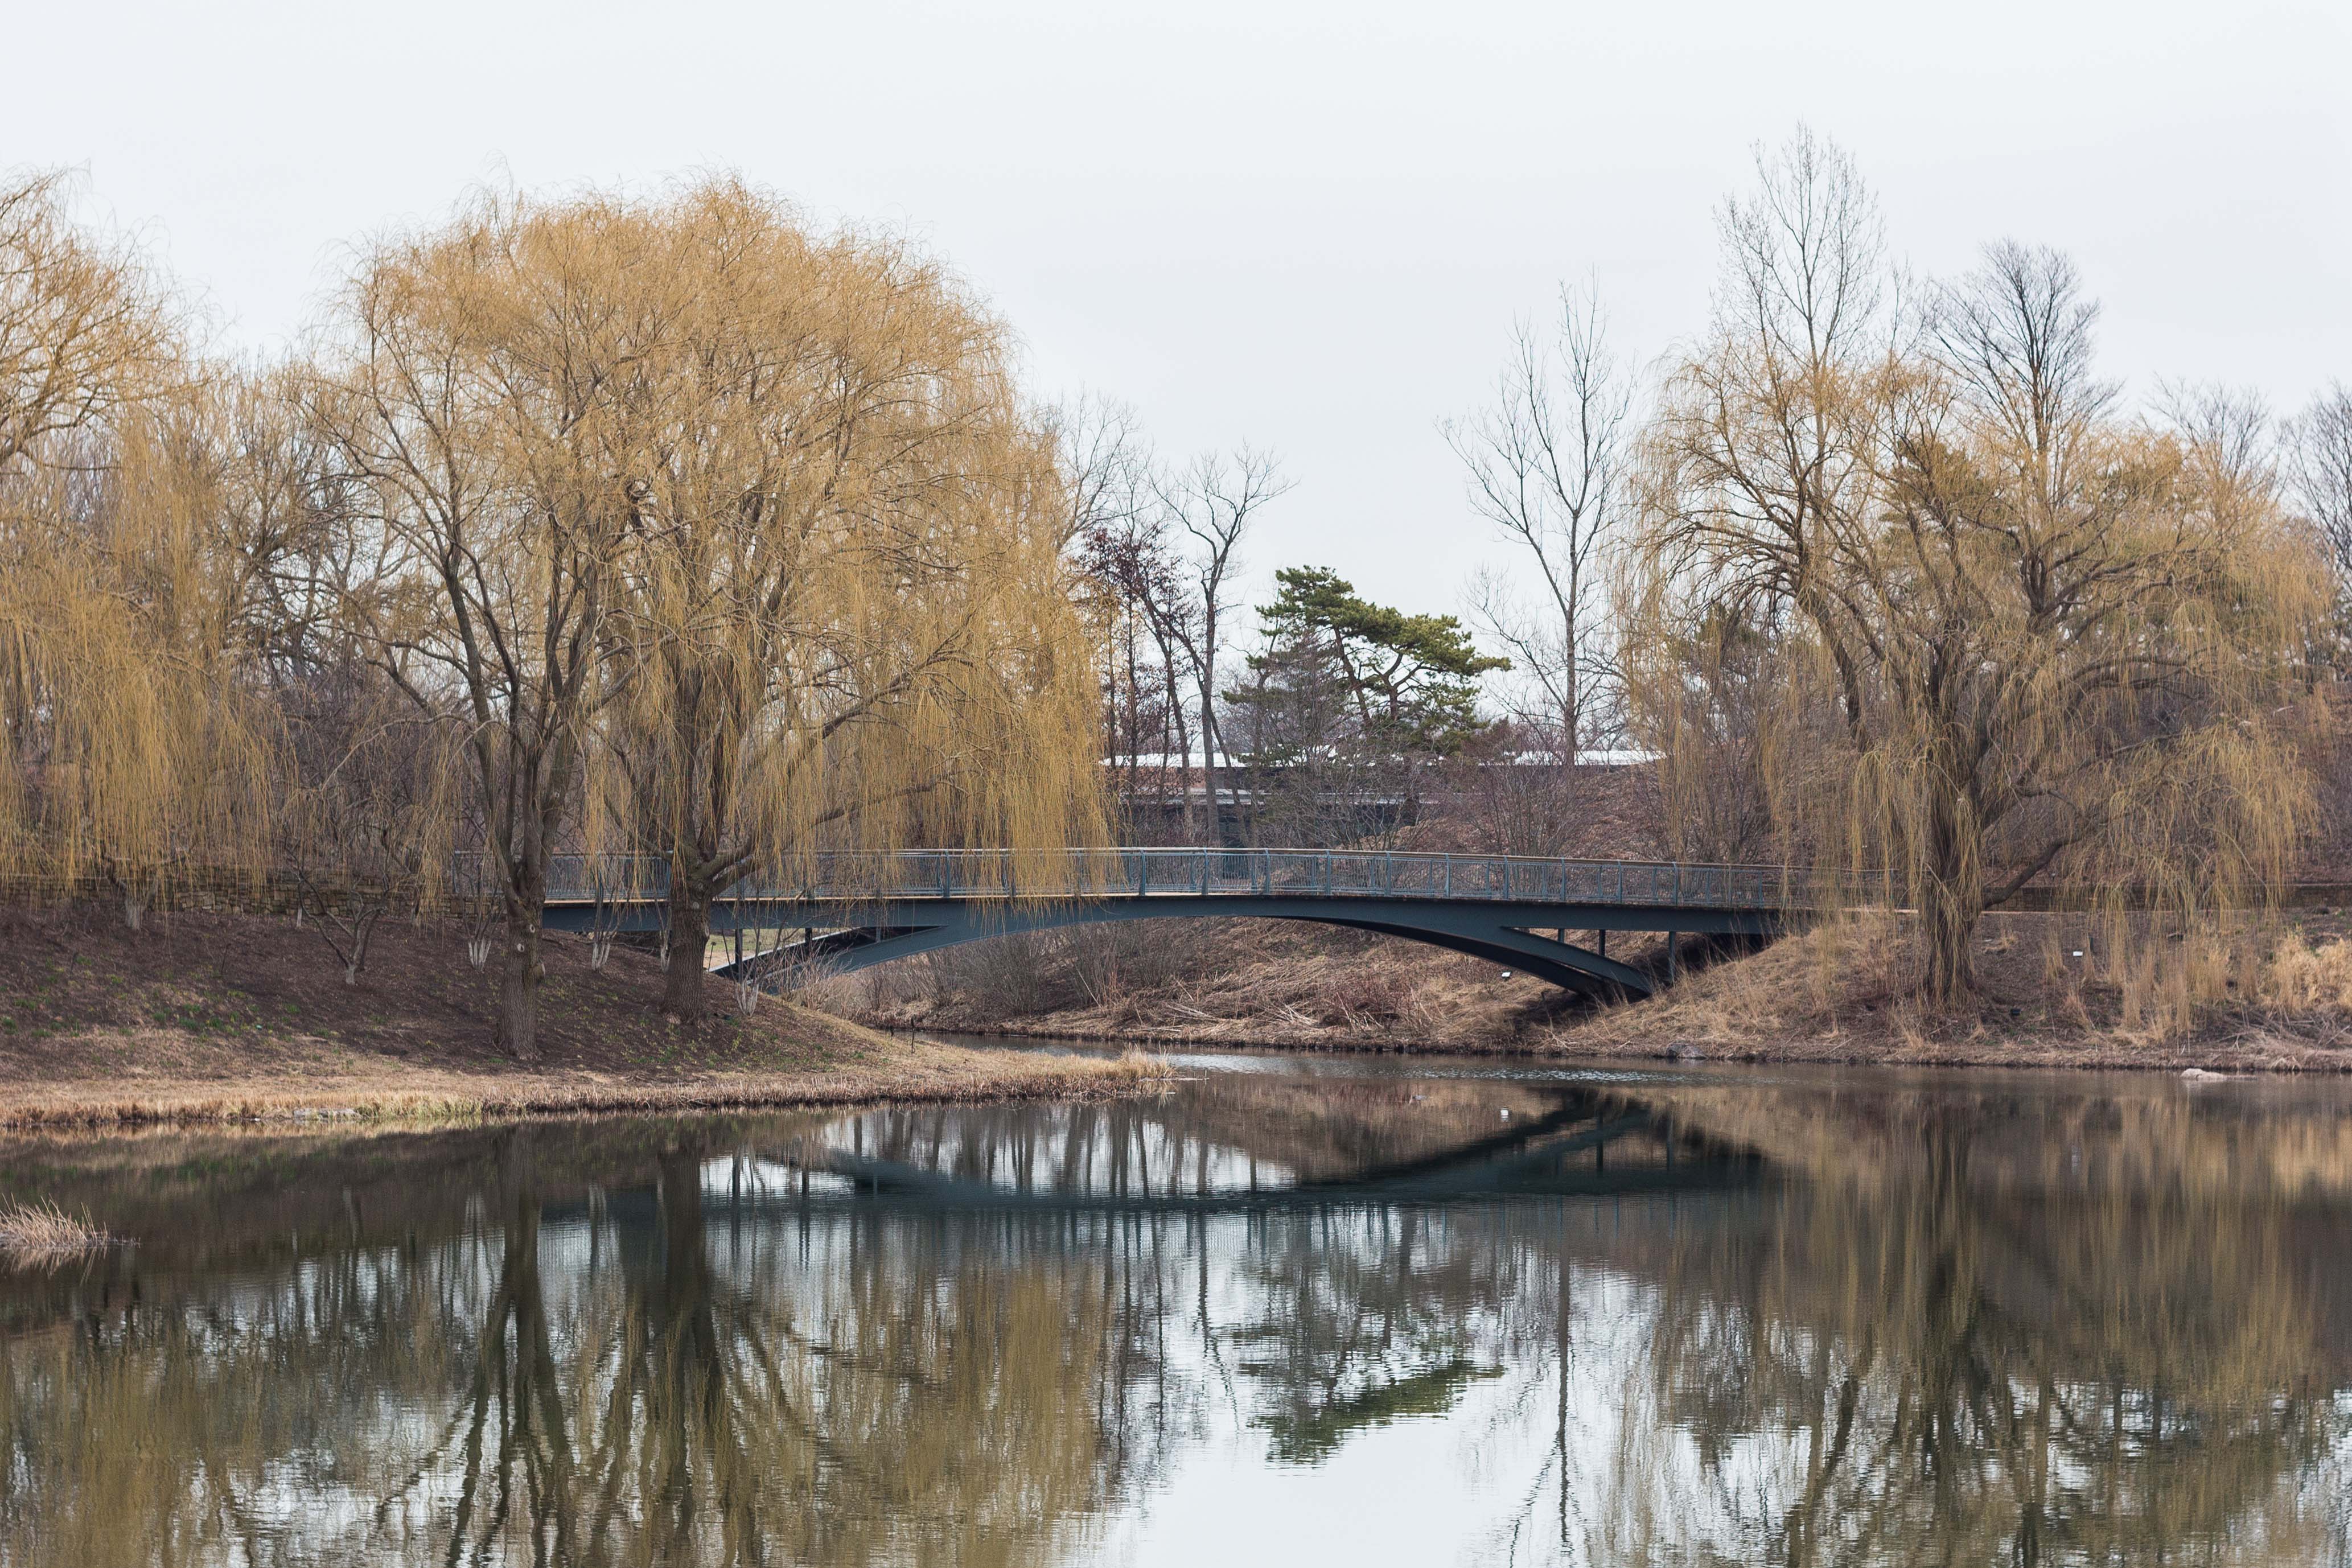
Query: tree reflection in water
column 1918, row 1360
column 1921, row 1333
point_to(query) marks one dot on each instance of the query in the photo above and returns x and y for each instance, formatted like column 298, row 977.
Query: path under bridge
column 851, row 910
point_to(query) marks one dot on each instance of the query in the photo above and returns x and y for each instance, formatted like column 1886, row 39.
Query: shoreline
column 221, row 1018
column 2270, row 1055
column 931, row 1072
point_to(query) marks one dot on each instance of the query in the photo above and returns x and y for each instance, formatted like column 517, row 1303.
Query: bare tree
column 1098, row 450
column 1762, row 441
column 1143, row 600
column 2319, row 467
column 1211, row 503
column 1548, row 465
column 1122, row 563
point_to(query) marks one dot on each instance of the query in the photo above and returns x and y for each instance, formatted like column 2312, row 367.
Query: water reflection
column 1686, row 1321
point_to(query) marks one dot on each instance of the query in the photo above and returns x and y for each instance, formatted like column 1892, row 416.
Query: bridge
column 855, row 910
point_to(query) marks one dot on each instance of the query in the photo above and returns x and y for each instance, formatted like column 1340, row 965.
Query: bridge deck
column 964, row 874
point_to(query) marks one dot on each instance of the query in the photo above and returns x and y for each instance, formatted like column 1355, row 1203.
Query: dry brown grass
column 1824, row 984
column 2053, row 990
column 237, row 1017
column 1246, row 983
column 879, row 1067
column 40, row 1232
column 2301, row 978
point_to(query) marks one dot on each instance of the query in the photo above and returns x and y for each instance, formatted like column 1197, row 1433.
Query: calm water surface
column 1294, row 1310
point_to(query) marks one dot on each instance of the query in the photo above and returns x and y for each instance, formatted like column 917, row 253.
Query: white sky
column 1305, row 225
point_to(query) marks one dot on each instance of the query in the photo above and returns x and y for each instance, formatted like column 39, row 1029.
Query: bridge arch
column 1489, row 931
column 867, row 909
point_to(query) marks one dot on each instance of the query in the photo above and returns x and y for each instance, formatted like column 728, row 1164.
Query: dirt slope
column 209, row 1015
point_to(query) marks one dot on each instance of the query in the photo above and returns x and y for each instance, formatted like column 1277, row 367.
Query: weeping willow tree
column 135, row 752
column 483, row 386
column 2012, row 634
column 708, row 536
column 845, row 620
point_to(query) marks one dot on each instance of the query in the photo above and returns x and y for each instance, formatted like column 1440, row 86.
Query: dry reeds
column 1135, row 1066
column 2301, row 978
column 42, row 1232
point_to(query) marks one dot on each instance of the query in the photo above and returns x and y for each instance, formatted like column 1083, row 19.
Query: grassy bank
column 1208, row 982
column 225, row 1017
column 2280, row 999
column 2048, row 995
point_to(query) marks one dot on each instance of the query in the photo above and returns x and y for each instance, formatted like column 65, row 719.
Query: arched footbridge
column 849, row 912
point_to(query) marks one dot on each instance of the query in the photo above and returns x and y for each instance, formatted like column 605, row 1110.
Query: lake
column 1291, row 1310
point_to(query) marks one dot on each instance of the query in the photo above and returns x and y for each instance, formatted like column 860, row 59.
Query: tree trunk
column 519, row 984
column 1950, row 929
column 684, row 977
column 1950, row 907
column 1209, row 771
column 135, row 898
column 362, row 932
column 1949, row 912
column 1176, row 719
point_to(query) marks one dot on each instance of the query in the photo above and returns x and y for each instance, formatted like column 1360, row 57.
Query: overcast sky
column 1307, row 226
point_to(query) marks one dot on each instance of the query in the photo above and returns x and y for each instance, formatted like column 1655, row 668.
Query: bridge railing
column 1204, row 872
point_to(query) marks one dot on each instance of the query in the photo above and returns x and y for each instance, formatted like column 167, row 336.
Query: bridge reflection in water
column 857, row 910
column 1586, row 1147
column 1424, row 1317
